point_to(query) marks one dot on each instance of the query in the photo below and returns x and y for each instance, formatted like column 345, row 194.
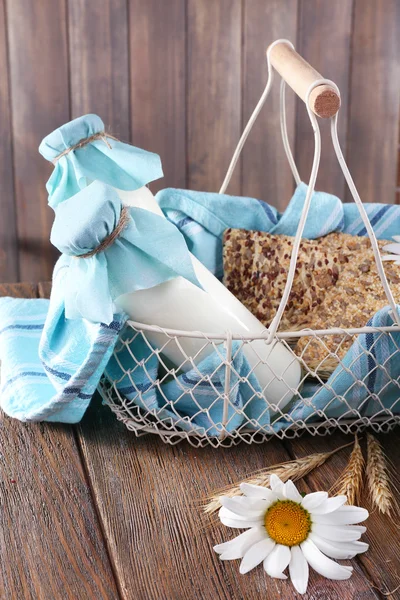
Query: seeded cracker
column 336, row 285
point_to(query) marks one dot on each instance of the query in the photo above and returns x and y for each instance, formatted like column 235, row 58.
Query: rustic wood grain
column 327, row 49
column 265, row 170
column 98, row 51
column 381, row 563
column 375, row 96
column 214, row 92
column 51, row 543
column 8, row 223
column 180, row 78
column 40, row 103
column 157, row 76
column 147, row 495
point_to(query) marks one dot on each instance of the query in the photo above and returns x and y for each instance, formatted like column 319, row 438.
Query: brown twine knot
column 101, row 135
column 110, row 239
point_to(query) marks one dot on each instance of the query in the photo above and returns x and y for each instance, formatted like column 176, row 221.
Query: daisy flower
column 285, row 529
column 394, row 248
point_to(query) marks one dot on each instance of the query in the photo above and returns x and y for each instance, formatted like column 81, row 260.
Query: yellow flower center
column 287, row 523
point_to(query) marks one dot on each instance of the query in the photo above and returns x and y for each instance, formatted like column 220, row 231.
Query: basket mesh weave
column 371, row 411
column 360, row 393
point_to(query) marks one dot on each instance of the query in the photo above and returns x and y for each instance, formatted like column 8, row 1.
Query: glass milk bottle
column 82, row 152
column 179, row 304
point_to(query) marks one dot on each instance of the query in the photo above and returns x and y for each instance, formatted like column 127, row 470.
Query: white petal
column 311, row 501
column 237, row 547
column 392, row 248
column 239, row 524
column 322, row 564
column 335, row 549
column 256, row 554
column 335, row 533
column 361, row 514
column 291, row 492
column 225, row 512
column 257, row 491
column 277, row 561
column 231, row 520
column 298, row 569
column 396, row 238
column 329, row 505
column 347, row 515
column 392, row 257
column 245, row 507
column 360, row 528
column 277, row 486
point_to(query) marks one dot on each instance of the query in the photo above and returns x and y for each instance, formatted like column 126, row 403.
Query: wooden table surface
column 91, row 512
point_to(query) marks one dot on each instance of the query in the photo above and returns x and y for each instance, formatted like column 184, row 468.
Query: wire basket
column 179, row 419
column 223, row 404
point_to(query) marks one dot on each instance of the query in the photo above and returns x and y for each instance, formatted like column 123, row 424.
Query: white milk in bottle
column 179, row 304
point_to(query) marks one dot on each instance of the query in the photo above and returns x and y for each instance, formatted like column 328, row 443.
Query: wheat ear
column 292, row 469
column 350, row 482
column 378, row 477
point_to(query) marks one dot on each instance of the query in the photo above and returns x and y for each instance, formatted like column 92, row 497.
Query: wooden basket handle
column 324, row 101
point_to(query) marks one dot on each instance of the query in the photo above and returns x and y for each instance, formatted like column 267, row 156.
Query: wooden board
column 98, row 51
column 148, row 497
column 214, row 88
column 51, row 542
column 329, row 53
column 40, row 103
column 265, row 170
column 8, row 226
column 375, row 97
column 157, row 84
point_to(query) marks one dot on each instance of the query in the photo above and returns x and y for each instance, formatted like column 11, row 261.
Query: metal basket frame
column 142, row 421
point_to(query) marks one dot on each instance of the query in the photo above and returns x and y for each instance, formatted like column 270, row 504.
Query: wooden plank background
column 180, row 78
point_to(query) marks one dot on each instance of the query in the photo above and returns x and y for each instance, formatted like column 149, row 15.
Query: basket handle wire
column 327, row 84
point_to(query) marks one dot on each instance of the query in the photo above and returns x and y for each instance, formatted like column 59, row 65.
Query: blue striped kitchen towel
column 365, row 384
column 202, row 218
column 50, row 366
column 194, row 400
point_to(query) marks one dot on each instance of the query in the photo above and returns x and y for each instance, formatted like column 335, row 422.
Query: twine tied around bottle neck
column 100, row 135
column 110, row 239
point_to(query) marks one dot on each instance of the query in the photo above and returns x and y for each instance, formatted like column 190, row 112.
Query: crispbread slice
column 336, row 285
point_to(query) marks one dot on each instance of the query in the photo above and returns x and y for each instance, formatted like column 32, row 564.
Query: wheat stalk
column 350, row 482
column 378, row 477
column 292, row 469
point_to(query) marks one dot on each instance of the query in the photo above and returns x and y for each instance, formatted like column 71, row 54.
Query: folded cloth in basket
column 82, row 152
column 203, row 217
column 365, row 384
column 194, row 400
